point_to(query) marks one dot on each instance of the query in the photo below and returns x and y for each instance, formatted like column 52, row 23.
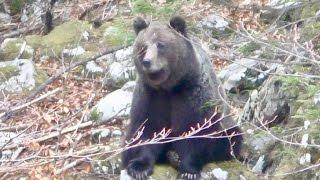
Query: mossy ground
column 311, row 30
column 117, row 32
column 287, row 156
column 249, row 48
column 12, row 49
column 7, row 72
column 95, row 115
column 164, row 10
column 16, row 6
column 34, row 41
column 309, row 10
column 234, row 169
column 67, row 35
column 40, row 77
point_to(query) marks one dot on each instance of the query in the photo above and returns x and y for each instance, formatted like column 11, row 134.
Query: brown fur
column 175, row 81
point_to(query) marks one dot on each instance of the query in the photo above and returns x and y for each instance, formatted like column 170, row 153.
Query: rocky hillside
column 67, row 77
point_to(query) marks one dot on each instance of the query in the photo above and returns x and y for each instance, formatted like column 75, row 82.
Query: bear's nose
column 146, row 63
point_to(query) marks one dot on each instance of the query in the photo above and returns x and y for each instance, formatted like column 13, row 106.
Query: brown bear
column 176, row 89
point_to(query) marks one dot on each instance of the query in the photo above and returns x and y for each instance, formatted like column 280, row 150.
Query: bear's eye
column 160, row 45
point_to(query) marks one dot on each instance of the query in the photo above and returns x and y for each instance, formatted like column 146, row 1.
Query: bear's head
column 162, row 52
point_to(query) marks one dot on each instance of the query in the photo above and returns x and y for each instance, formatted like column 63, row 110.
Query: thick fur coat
column 176, row 89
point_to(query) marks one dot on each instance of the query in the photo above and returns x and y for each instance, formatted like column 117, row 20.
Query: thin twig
column 20, row 31
column 248, row 35
column 68, row 166
column 55, row 134
column 17, row 153
column 16, row 108
column 23, row 47
column 14, row 128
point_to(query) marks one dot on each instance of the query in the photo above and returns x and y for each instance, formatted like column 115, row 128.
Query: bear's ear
column 179, row 24
column 138, row 24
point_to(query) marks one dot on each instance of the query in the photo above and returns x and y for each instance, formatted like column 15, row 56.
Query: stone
column 123, row 54
column 109, row 58
column 262, row 143
column 220, row 174
column 242, row 177
column 275, row 8
column 73, row 52
column 11, row 49
column 117, row 71
column 7, row 41
column 246, row 3
column 24, row 79
column 44, row 58
column 279, row 4
column 125, row 176
column 116, row 133
column 93, row 67
column 13, row 137
column 98, row 134
column 119, row 74
column 304, row 140
column 305, row 159
column 306, row 124
column 85, row 35
column 129, row 86
column 271, row 104
column 105, row 133
column 24, row 17
column 316, row 99
column 4, row 105
column 5, row 18
column 6, row 155
column 258, row 167
column 242, row 76
column 214, row 22
column 115, row 104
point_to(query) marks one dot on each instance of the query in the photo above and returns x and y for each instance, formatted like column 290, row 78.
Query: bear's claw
column 138, row 169
column 188, row 176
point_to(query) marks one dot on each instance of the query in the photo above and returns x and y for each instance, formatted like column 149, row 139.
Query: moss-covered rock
column 16, row 6
column 109, row 165
column 85, row 55
column 142, row 6
column 309, row 10
column 228, row 169
column 11, row 47
column 20, row 75
column 248, row 48
column 310, row 30
column 222, row 170
column 95, row 115
column 93, row 70
column 41, row 76
column 163, row 10
column 7, row 72
column 34, row 41
column 118, row 32
column 290, row 165
column 67, row 35
column 296, row 121
column 234, row 169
